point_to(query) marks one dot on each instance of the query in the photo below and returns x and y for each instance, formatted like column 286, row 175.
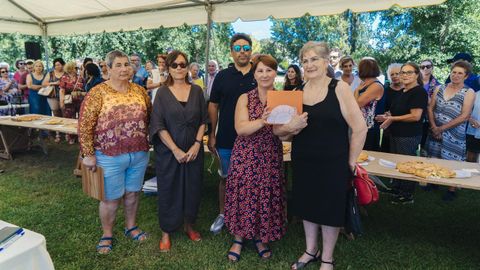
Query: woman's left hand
column 193, row 152
column 352, row 166
column 386, row 123
column 437, row 131
column 474, row 123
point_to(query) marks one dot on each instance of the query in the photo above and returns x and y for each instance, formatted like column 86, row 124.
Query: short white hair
column 390, row 67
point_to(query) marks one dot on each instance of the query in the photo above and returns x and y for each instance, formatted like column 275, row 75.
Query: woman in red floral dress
column 255, row 188
column 71, row 84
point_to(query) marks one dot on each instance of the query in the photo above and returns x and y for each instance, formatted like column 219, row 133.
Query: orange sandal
column 165, row 246
column 194, row 236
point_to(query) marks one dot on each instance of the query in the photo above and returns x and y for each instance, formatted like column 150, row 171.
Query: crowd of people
column 123, row 107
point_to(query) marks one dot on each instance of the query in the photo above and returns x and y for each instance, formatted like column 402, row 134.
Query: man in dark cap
column 472, row 80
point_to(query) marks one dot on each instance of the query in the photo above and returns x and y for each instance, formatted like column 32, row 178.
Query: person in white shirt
column 346, row 65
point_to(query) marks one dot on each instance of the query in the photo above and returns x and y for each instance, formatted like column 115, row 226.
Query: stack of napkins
column 9, row 235
column 150, row 186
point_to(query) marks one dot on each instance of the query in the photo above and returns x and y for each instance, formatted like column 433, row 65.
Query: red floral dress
column 255, row 198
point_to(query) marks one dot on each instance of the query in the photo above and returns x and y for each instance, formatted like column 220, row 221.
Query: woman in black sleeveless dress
column 323, row 156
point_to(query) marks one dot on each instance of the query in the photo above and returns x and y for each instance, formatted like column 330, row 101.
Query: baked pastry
column 27, row 118
column 286, row 149
column 205, row 139
column 446, row 173
column 362, row 157
column 54, row 121
column 423, row 173
column 425, row 169
column 406, row 168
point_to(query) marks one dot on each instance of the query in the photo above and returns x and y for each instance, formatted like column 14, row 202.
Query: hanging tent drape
column 65, row 17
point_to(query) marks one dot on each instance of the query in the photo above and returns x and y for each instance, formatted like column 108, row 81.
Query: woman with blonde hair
column 71, row 94
column 324, row 154
column 38, row 103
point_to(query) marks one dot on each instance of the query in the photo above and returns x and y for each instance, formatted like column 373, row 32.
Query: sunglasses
column 175, row 65
column 426, row 67
column 238, row 48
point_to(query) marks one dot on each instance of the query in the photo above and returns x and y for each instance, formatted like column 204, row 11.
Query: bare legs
column 221, row 195
column 329, row 239
column 108, row 212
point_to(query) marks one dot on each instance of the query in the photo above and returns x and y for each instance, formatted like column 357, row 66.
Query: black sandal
column 300, row 265
column 234, row 254
column 332, row 262
column 262, row 252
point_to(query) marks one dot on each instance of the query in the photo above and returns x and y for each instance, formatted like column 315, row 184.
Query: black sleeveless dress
column 320, row 163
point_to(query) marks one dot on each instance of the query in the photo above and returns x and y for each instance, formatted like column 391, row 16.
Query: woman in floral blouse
column 113, row 135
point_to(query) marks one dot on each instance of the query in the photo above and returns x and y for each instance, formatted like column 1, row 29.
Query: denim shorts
column 122, row 173
column 224, row 155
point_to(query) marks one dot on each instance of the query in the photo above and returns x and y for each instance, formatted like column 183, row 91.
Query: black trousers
column 405, row 146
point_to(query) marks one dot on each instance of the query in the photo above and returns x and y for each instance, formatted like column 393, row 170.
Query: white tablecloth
column 29, row 252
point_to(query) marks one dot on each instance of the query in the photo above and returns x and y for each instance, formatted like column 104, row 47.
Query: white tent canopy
column 63, row 17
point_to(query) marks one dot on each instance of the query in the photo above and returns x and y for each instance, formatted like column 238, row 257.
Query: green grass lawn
column 40, row 193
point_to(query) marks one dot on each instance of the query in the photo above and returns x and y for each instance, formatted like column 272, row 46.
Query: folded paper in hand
column 284, row 105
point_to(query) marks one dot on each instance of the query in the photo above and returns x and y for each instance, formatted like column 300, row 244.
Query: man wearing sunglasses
column 228, row 86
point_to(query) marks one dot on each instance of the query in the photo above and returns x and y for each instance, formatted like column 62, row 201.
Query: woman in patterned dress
column 448, row 112
column 255, row 188
column 368, row 94
column 71, row 84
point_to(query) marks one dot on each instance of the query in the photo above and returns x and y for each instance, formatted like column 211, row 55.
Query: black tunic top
column 320, row 163
column 415, row 98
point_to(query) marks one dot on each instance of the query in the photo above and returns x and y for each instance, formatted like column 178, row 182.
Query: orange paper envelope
column 277, row 98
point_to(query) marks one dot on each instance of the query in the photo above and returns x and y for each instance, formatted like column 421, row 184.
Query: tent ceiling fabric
column 63, row 17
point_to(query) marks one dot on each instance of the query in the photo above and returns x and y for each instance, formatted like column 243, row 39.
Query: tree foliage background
column 394, row 35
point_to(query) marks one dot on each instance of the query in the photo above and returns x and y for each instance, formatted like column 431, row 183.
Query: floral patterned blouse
column 114, row 123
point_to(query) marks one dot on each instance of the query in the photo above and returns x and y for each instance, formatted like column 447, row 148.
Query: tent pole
column 45, row 44
column 209, row 9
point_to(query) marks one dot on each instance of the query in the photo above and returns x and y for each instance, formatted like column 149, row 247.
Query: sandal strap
column 128, row 231
column 137, row 237
column 234, row 254
column 312, row 255
column 238, row 242
column 106, row 239
column 332, row 262
column 261, row 253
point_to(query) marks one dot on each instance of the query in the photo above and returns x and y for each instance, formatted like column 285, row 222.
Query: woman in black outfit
column 405, row 123
column 323, row 155
column 391, row 93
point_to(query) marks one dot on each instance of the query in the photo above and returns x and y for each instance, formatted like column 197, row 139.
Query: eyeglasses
column 238, row 48
column 426, row 67
column 175, row 65
column 410, row 72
